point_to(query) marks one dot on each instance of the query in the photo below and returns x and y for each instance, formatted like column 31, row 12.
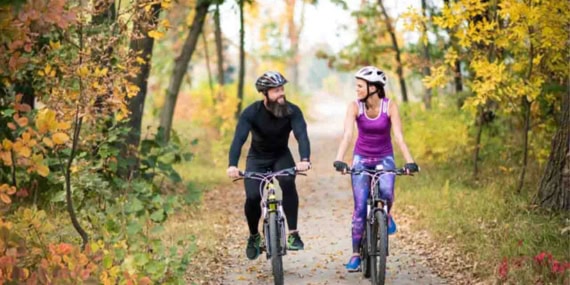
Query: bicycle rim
column 274, row 243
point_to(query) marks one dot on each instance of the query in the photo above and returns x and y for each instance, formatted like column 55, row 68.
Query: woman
column 375, row 115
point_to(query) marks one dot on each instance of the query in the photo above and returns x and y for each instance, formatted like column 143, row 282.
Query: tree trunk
column 526, row 108
column 427, row 61
column 141, row 44
column 554, row 189
column 219, row 45
column 206, row 53
column 457, row 70
column 294, row 32
column 241, row 74
column 457, row 77
column 399, row 69
column 479, row 121
column 180, row 67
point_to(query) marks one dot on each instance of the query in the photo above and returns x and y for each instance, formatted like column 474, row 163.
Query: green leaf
column 107, row 261
column 188, row 156
column 155, row 267
column 157, row 201
column 8, row 113
column 134, row 205
column 158, row 216
column 141, row 259
column 175, row 177
column 147, row 146
column 134, row 228
column 58, row 197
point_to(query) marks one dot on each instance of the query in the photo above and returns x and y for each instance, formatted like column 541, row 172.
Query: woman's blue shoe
column 353, row 264
column 392, row 229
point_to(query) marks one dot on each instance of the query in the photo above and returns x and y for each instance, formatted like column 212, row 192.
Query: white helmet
column 371, row 74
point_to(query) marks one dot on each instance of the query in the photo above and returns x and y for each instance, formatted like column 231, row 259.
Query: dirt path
column 324, row 221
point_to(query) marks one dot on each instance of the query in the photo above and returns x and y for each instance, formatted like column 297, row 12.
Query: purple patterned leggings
column 360, row 189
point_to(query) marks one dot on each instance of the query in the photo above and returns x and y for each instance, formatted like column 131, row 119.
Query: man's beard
column 277, row 109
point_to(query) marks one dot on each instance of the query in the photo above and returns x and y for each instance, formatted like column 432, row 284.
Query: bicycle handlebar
column 292, row 171
column 400, row 171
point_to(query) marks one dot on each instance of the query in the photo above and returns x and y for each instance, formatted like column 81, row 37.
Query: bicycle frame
column 273, row 218
column 270, row 203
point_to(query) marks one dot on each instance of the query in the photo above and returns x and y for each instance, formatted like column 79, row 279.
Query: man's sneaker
column 392, row 229
column 294, row 242
column 252, row 251
column 353, row 264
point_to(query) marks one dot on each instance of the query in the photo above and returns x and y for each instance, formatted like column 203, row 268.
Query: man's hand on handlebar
column 303, row 166
column 233, row 172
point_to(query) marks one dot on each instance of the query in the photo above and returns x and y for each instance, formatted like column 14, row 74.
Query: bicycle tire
column 274, row 243
column 379, row 248
column 364, row 253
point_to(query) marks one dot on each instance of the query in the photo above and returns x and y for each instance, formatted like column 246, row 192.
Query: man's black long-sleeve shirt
column 270, row 135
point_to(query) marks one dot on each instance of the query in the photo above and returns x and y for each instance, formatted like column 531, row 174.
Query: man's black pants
column 287, row 183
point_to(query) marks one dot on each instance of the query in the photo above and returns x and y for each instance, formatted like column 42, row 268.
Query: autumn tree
column 181, row 66
column 515, row 54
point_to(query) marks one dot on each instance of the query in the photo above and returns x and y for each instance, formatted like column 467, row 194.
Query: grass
column 484, row 218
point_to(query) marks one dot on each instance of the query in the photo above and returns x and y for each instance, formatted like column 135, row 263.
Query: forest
column 116, row 118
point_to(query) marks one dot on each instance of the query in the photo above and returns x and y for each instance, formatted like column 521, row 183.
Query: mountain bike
column 374, row 244
column 273, row 217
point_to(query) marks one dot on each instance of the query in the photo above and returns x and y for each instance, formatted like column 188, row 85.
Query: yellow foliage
column 132, row 90
column 47, row 71
column 165, row 23
column 48, row 142
column 5, row 192
column 413, row 20
column 6, row 144
column 6, row 157
column 101, row 72
column 60, row 138
column 54, row 45
column 22, row 149
column 451, row 56
column 39, row 166
column 63, row 126
column 157, row 35
column 45, row 121
column 437, row 79
column 83, row 71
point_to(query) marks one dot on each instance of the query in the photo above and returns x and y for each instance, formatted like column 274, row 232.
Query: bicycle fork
column 274, row 206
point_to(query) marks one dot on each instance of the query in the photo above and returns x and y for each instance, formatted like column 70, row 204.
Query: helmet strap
column 368, row 94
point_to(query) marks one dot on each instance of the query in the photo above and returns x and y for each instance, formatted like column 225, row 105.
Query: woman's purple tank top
column 374, row 133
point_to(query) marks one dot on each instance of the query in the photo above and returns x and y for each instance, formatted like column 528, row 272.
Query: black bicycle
column 374, row 244
column 273, row 217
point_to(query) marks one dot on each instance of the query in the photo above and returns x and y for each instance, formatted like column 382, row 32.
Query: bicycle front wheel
column 379, row 248
column 275, row 247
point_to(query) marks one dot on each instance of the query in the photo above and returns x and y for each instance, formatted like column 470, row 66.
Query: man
column 270, row 121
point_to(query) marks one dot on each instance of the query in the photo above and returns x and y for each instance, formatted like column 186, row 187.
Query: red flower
column 557, row 267
column 540, row 258
column 503, row 269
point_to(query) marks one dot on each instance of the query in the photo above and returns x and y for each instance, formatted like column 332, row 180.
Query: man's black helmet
column 270, row 79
